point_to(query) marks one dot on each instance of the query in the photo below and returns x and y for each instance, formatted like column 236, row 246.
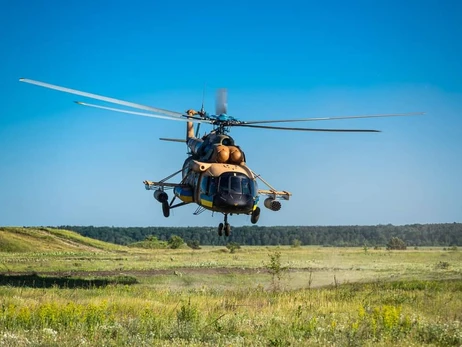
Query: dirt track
column 171, row 271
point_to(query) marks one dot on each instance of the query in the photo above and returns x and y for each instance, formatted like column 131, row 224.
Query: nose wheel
column 224, row 227
column 220, row 229
column 255, row 215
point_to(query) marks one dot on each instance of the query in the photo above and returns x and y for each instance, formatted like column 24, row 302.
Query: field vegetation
column 58, row 288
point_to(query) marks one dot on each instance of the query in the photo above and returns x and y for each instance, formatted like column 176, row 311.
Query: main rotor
column 221, row 121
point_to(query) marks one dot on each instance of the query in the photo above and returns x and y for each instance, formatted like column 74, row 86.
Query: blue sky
column 66, row 164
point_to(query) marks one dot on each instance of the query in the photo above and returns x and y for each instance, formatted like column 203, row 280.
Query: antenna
column 202, row 111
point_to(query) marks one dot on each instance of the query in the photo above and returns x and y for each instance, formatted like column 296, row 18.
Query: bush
column 151, row 242
column 442, row 265
column 175, row 242
column 233, row 246
column 396, row 243
column 276, row 269
column 296, row 243
column 194, row 244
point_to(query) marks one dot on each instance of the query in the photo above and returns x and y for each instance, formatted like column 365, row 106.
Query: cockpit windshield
column 236, row 184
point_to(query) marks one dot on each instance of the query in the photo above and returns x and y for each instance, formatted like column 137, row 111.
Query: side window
column 192, row 179
column 204, row 184
column 212, row 189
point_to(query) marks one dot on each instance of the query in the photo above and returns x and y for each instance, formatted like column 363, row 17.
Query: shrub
column 442, row 265
column 275, row 268
column 396, row 243
column 296, row 243
column 194, row 244
column 151, row 242
column 233, row 246
column 175, row 242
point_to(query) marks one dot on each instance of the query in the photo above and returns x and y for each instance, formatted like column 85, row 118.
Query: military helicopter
column 215, row 175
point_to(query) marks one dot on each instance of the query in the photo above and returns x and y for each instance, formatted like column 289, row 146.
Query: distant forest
column 448, row 234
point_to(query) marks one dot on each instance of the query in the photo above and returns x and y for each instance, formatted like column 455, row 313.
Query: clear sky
column 61, row 163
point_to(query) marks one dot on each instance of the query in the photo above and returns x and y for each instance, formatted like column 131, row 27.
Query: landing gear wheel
column 220, row 229
column 227, row 226
column 227, row 229
column 166, row 209
column 255, row 215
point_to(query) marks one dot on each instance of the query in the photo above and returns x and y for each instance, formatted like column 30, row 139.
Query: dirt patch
column 171, row 271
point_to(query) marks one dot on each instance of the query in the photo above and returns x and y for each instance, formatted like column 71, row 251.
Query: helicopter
column 215, row 175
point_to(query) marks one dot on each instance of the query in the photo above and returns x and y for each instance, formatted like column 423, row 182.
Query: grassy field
column 58, row 288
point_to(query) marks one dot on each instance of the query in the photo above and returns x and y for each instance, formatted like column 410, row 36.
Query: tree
column 276, row 269
column 175, row 242
column 421, row 235
column 396, row 243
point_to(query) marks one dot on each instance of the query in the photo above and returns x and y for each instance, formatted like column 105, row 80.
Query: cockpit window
column 224, row 184
column 237, row 184
column 245, row 182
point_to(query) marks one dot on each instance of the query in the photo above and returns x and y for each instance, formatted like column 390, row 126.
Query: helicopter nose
column 234, row 202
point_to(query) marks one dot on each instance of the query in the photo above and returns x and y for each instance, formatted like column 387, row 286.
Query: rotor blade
column 103, row 98
column 221, row 102
column 336, row 118
column 308, row 129
column 172, row 140
column 139, row 113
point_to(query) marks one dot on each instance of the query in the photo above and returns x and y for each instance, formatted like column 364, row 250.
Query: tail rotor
column 221, row 102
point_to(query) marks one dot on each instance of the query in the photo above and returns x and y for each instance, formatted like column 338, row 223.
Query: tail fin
column 190, row 125
column 189, row 130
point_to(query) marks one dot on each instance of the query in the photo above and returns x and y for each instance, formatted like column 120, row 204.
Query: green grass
column 399, row 313
column 17, row 239
column 86, row 292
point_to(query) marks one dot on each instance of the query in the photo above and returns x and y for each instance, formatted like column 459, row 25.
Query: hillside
column 37, row 239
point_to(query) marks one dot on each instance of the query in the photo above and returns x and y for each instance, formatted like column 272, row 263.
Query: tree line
column 442, row 234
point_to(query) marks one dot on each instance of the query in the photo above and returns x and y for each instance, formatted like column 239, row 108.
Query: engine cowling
column 272, row 204
column 221, row 154
column 235, row 155
column 198, row 166
column 195, row 144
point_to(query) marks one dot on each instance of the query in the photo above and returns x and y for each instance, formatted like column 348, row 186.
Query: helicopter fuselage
column 220, row 187
column 215, row 175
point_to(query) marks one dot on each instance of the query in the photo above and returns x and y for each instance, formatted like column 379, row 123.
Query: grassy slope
column 17, row 239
